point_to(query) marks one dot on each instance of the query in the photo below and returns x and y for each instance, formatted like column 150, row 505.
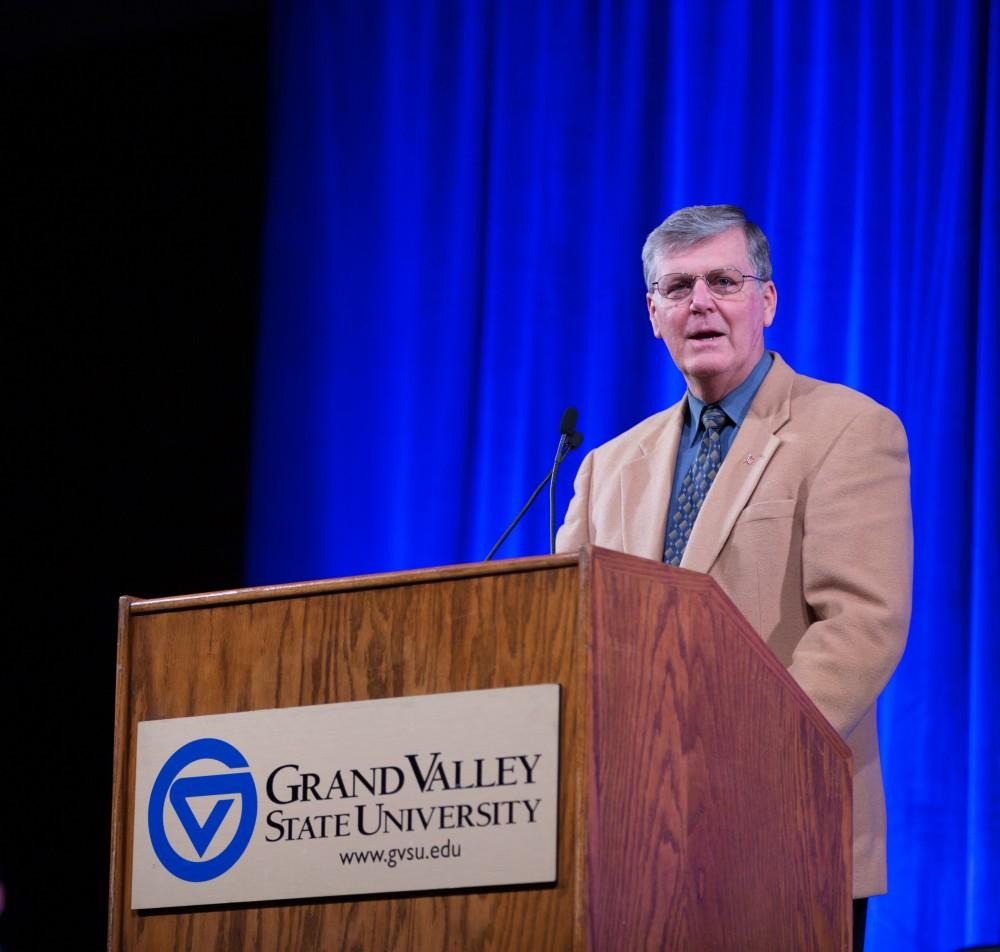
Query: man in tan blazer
column 806, row 521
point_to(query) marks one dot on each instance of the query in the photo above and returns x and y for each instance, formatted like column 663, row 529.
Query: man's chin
column 710, row 376
column 707, row 365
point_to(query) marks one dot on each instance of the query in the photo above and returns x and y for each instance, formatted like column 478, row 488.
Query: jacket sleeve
column 857, row 568
column 575, row 530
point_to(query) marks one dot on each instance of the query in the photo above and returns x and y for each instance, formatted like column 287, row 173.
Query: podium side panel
column 719, row 812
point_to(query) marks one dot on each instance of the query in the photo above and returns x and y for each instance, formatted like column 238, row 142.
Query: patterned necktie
column 696, row 483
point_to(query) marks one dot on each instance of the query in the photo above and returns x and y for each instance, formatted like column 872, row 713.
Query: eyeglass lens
column 678, row 286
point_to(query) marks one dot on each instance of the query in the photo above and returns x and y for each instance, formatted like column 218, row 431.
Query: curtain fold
column 458, row 196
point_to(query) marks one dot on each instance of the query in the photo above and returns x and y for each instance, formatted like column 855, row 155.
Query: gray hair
column 691, row 225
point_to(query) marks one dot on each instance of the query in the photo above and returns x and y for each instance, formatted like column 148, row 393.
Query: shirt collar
column 736, row 403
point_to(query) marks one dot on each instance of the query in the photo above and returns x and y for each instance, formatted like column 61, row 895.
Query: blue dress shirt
column 734, row 404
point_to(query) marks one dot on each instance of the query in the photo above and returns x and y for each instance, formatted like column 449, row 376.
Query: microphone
column 569, row 439
column 567, row 425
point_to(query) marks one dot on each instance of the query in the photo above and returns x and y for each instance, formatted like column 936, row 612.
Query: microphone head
column 574, row 440
column 567, row 425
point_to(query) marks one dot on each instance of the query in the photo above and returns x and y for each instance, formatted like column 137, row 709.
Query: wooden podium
column 704, row 802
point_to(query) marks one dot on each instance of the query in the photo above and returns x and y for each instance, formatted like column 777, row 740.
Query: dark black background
column 133, row 185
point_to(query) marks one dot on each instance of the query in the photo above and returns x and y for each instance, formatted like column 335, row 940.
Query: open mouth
column 705, row 335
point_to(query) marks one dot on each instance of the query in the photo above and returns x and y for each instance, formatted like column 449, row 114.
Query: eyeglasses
column 721, row 282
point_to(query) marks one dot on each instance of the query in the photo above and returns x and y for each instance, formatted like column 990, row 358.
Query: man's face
column 714, row 341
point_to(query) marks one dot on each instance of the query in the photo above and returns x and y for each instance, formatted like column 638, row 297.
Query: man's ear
column 651, row 307
column 770, row 293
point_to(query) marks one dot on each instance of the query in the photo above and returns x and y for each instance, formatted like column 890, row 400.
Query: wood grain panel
column 720, row 815
column 422, row 633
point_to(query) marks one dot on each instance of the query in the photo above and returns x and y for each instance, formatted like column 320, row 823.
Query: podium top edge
column 145, row 606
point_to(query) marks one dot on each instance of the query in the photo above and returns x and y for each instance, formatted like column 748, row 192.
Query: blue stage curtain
column 458, row 196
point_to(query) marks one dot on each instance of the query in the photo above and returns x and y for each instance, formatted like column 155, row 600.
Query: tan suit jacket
column 807, row 528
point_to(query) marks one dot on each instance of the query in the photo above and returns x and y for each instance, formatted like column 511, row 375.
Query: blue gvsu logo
column 225, row 788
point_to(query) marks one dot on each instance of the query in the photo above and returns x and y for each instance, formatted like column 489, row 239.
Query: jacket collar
column 646, row 480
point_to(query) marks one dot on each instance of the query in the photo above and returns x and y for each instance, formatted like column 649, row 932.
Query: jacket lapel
column 645, row 487
column 748, row 457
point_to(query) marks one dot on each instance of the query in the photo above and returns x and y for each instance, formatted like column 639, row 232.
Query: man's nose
column 701, row 297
